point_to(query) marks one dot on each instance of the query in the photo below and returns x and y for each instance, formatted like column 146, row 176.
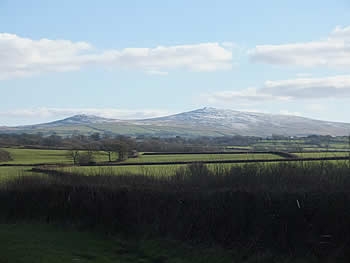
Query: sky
column 141, row 59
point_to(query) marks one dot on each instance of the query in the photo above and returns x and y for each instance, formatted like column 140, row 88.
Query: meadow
column 273, row 212
column 12, row 172
column 199, row 157
column 42, row 243
column 26, row 157
column 322, row 154
column 39, row 156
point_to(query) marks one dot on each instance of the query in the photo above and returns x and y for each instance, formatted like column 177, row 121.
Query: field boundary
column 225, row 161
column 215, row 152
column 307, row 159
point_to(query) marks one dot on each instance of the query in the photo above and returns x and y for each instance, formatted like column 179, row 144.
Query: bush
column 86, row 158
column 5, row 156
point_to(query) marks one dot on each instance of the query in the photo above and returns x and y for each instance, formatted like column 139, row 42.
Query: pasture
column 322, row 154
column 39, row 156
column 219, row 204
column 26, row 157
column 11, row 172
column 199, row 157
column 39, row 243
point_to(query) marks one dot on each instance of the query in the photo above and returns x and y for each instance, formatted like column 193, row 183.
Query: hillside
column 200, row 122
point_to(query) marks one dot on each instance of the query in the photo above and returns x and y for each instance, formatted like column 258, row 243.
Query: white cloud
column 24, row 57
column 48, row 114
column 309, row 88
column 242, row 96
column 331, row 52
column 293, row 89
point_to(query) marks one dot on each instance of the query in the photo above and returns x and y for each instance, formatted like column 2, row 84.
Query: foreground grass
column 9, row 173
column 50, row 244
column 154, row 170
column 286, row 208
column 169, row 169
column 39, row 243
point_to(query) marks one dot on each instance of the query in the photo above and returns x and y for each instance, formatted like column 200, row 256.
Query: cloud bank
column 333, row 51
column 24, row 57
column 292, row 89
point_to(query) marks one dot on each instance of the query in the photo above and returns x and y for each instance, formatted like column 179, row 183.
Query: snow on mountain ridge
column 204, row 121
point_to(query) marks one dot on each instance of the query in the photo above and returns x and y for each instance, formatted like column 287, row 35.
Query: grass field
column 322, row 154
column 7, row 173
column 36, row 243
column 154, row 170
column 37, row 156
column 199, row 157
column 200, row 205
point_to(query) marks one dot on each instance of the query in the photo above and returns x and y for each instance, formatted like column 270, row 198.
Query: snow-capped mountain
column 80, row 119
column 200, row 122
column 251, row 123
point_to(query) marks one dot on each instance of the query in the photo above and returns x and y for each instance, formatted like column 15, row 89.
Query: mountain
column 81, row 119
column 200, row 122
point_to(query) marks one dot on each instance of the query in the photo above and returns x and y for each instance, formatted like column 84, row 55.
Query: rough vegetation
column 284, row 208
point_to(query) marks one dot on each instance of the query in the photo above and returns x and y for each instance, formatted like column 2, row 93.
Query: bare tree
column 74, row 156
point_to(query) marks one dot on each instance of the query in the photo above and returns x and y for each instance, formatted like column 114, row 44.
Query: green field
column 154, row 170
column 199, row 157
column 35, row 243
column 7, row 173
column 321, row 154
column 37, row 156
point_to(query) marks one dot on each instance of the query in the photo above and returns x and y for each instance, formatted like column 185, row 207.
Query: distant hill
column 200, row 122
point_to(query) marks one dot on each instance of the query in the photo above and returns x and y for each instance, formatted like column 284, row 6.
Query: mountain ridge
column 205, row 121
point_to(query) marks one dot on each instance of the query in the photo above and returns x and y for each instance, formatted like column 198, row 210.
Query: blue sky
column 137, row 59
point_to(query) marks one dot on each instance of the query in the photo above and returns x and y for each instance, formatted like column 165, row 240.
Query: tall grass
column 289, row 208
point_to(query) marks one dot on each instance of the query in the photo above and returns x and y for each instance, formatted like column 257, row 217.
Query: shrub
column 5, row 156
column 86, row 158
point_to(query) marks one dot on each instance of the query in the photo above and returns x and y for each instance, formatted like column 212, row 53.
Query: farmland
column 39, row 156
column 35, row 243
column 22, row 159
column 322, row 154
column 8, row 173
column 199, row 157
column 223, row 204
column 227, row 207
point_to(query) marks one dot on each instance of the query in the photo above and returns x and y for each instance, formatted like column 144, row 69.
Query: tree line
column 109, row 143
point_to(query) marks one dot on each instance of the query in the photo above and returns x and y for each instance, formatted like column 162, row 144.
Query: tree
column 122, row 151
column 110, row 146
column 86, row 158
column 95, row 136
column 117, row 146
column 4, row 156
column 73, row 155
column 52, row 140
